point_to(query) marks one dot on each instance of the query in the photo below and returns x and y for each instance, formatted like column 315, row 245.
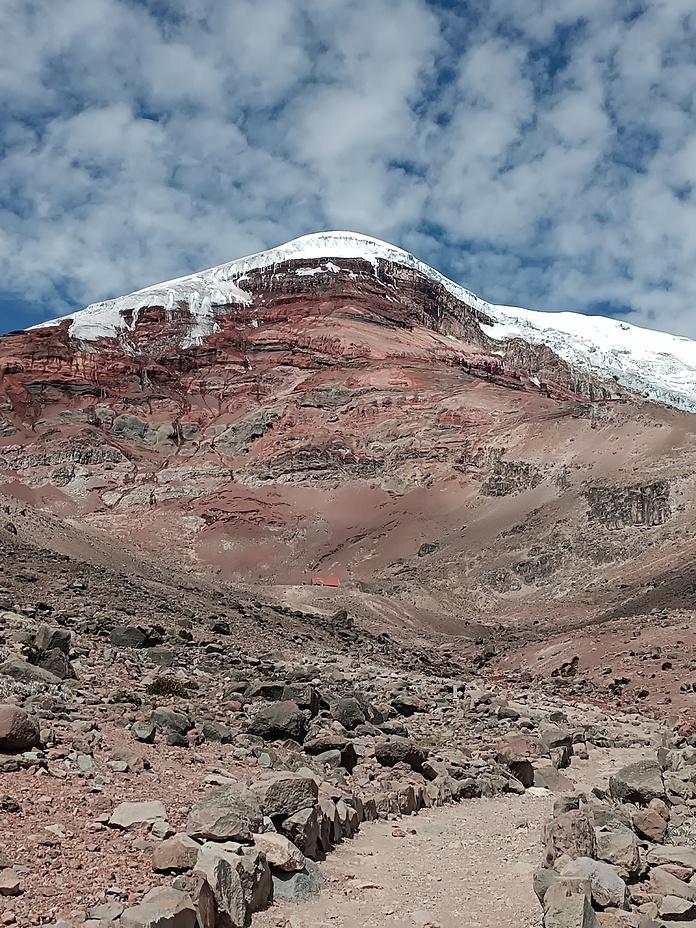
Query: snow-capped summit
column 655, row 364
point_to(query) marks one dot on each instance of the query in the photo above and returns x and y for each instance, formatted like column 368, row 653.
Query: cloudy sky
column 542, row 153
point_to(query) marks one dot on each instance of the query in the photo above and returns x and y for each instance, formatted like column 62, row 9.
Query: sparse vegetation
column 170, row 686
column 34, row 655
column 567, row 669
column 125, row 696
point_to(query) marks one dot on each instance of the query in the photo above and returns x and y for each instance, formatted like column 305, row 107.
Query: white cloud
column 541, row 152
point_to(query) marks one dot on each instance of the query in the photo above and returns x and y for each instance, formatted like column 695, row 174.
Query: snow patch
column 657, row 365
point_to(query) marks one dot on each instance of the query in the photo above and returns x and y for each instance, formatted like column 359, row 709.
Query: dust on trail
column 469, row 864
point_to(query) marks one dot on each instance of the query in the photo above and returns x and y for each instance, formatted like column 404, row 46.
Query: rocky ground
column 173, row 751
column 168, row 764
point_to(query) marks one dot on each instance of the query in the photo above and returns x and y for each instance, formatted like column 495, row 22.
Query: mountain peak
column 657, row 365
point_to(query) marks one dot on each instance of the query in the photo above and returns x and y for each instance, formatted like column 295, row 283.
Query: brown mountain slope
column 360, row 425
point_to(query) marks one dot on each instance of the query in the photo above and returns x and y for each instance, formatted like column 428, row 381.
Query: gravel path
column 468, row 864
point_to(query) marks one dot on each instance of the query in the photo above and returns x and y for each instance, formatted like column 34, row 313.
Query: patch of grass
column 169, row 686
column 121, row 696
column 34, row 655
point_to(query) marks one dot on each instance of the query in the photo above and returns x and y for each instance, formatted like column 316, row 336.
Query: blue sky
column 542, row 153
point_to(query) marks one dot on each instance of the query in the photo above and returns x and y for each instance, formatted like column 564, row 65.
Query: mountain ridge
column 656, row 365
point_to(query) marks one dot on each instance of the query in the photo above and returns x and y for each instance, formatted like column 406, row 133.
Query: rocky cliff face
column 343, row 419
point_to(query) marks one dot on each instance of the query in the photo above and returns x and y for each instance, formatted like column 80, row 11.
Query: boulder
column 162, row 907
column 669, row 854
column 219, row 870
column 303, row 830
column 280, row 720
column 304, row 694
column 330, row 831
column 638, row 783
column 302, row 886
column 131, row 814
column 618, row 846
column 10, row 883
column 569, row 834
column 215, row 731
column 407, row 705
column 517, row 753
column 565, row 908
column 286, row 793
column 18, row 730
column 651, row 823
column 674, row 908
column 557, row 742
column 255, row 874
column 144, row 732
column 24, row 672
column 170, row 720
column 272, row 690
column 51, row 637
column 107, row 911
column 400, row 751
column 664, row 883
column 349, row 712
column 163, row 657
column 228, row 813
column 57, row 663
column 129, row 636
column 328, row 741
column 547, row 776
column 175, row 854
column 608, row 889
column 280, row 851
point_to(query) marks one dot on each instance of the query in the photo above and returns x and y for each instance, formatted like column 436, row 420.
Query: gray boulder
column 131, row 814
column 569, row 834
column 608, row 889
column 128, row 636
column 400, row 751
column 302, row 829
column 162, row 907
column 280, row 851
column 303, row 886
column 349, row 712
column 567, row 906
column 18, row 730
column 228, row 813
column 328, row 741
column 24, row 672
column 286, row 793
column 180, row 852
column 669, row 854
column 304, row 694
column 638, row 783
column 219, row 870
column 56, row 662
column 278, row 721
column 50, row 637
column 664, row 883
column 255, row 874
column 171, row 721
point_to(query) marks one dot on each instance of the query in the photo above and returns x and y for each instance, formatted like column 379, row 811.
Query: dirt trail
column 467, row 864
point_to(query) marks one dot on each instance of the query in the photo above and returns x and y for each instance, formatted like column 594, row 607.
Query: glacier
column 657, row 365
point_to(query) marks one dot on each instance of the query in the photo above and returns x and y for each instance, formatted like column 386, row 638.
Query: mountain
column 334, row 408
column 658, row 365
